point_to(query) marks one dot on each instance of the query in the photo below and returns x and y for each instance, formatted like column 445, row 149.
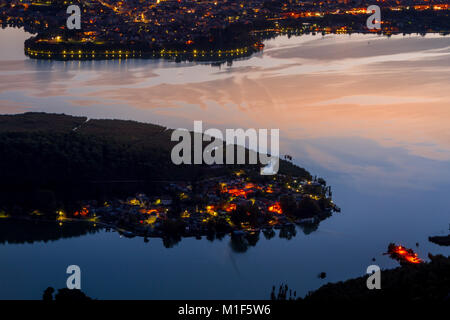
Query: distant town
column 208, row 30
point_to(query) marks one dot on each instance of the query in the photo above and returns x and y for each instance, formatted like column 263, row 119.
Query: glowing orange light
column 403, row 254
column 238, row 192
column 276, row 208
column 149, row 211
column 230, row 207
column 84, row 212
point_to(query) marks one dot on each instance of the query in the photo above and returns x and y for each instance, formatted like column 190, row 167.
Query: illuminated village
column 201, row 30
column 235, row 205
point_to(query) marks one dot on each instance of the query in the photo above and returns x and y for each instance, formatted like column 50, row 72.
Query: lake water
column 370, row 114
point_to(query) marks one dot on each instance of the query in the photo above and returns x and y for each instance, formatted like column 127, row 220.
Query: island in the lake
column 219, row 30
column 119, row 175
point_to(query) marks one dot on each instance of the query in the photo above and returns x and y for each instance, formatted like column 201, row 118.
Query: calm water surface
column 369, row 114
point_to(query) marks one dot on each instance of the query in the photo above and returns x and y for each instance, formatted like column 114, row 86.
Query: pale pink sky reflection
column 394, row 92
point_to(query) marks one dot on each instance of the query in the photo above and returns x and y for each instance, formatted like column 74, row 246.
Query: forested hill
column 43, row 149
column 40, row 149
column 119, row 130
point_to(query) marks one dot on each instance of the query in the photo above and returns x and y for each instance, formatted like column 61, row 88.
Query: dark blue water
column 378, row 138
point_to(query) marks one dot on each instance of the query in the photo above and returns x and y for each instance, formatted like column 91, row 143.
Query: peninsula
column 118, row 174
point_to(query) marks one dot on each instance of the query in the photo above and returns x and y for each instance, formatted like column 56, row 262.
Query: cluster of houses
column 205, row 203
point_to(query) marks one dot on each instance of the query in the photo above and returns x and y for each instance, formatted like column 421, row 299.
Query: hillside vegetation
column 49, row 157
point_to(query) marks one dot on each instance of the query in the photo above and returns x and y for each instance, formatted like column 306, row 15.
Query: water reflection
column 15, row 231
column 314, row 88
column 21, row 231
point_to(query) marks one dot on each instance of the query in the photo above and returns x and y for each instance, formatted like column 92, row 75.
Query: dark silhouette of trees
column 308, row 208
column 408, row 283
column 65, row 295
column 48, row 294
